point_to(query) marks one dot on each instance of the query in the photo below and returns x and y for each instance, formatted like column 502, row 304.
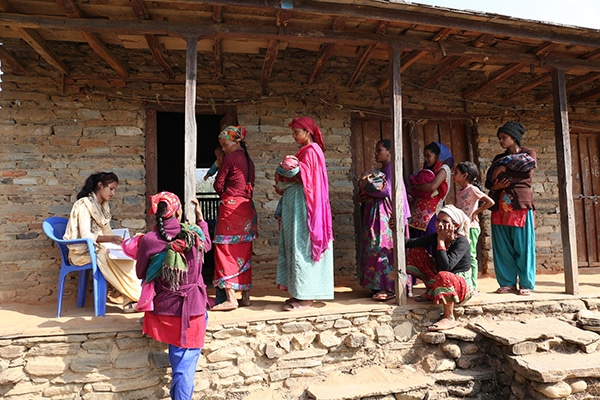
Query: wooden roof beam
column 326, row 51
column 500, row 76
column 218, row 54
column 72, row 11
column 366, row 55
column 10, row 60
column 141, row 13
column 270, row 57
column 446, row 66
column 532, row 84
column 217, row 14
column 35, row 40
column 585, row 96
column 412, row 58
column 184, row 29
column 574, row 84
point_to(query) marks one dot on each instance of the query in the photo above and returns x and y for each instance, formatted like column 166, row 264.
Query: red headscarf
column 171, row 199
column 311, row 126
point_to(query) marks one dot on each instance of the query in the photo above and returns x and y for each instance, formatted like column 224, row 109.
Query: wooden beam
column 270, row 57
column 443, row 68
column 442, row 34
column 565, row 183
column 362, row 63
column 93, row 39
column 42, row 48
column 325, row 52
column 501, row 75
column 184, row 29
column 574, row 84
column 139, row 9
column 585, row 96
column 412, row 58
column 483, row 40
column 191, row 134
column 397, row 174
column 10, row 60
column 531, row 84
column 217, row 14
column 218, row 55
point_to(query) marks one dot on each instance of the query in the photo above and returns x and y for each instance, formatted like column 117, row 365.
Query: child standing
column 472, row 201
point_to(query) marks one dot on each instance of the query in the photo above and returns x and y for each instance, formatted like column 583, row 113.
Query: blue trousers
column 514, row 254
column 183, row 365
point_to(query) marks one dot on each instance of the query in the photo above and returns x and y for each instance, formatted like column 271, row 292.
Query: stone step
column 367, row 382
column 556, row 367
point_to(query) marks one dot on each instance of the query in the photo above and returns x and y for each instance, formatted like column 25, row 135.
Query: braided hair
column 91, row 183
column 160, row 221
column 245, row 148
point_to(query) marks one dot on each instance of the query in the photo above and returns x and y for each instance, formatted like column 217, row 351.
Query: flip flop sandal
column 383, row 296
column 506, row 289
column 440, row 326
column 295, row 305
column 524, row 292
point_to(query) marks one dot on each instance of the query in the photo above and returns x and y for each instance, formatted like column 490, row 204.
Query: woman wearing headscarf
column 305, row 261
column 446, row 273
column 429, row 188
column 236, row 223
column 513, row 230
column 171, row 258
column 90, row 218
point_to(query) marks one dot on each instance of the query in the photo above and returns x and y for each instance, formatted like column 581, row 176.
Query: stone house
column 113, row 85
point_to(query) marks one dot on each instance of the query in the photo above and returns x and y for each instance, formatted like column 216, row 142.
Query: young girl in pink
column 472, row 201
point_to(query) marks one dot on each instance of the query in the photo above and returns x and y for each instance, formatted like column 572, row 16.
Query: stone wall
column 54, row 133
column 286, row 358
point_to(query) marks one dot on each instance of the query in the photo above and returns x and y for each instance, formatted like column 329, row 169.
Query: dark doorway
column 170, row 138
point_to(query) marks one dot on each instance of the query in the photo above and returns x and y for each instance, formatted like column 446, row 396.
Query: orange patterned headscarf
column 234, row 133
column 170, row 199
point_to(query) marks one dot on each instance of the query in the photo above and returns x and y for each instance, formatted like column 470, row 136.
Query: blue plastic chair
column 54, row 228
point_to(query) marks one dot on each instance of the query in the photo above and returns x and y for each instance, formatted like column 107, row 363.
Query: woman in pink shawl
column 305, row 261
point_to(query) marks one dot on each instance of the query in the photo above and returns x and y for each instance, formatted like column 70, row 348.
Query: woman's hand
column 278, row 191
column 446, row 232
column 199, row 216
column 501, row 184
column 362, row 196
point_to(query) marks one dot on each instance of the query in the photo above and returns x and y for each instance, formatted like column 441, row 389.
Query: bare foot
column 245, row 301
column 297, row 305
column 443, row 324
column 225, row 306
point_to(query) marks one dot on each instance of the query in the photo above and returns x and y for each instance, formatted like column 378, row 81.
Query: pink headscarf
column 234, row 133
column 311, row 126
column 171, row 199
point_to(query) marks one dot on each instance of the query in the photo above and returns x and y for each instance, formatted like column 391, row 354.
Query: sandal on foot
column 524, row 292
column 130, row 307
column 224, row 307
column 506, row 289
column 297, row 305
column 442, row 324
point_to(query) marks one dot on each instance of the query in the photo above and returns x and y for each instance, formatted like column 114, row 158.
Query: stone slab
column 367, row 382
column 511, row 332
column 555, row 367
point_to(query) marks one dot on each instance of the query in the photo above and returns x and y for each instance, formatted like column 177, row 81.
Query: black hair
column 435, row 149
column 245, row 148
column 91, row 183
column 387, row 143
column 472, row 173
column 161, row 209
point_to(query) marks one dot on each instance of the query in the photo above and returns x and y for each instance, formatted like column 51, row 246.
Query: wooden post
column 565, row 184
column 396, row 109
column 189, row 174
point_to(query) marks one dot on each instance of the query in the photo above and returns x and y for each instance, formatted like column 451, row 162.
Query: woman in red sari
column 236, row 222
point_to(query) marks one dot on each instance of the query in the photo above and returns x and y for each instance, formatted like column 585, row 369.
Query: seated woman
column 90, row 218
column 446, row 274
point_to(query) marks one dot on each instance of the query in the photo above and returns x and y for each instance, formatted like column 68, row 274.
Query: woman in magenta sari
column 305, row 260
column 377, row 270
column 236, row 222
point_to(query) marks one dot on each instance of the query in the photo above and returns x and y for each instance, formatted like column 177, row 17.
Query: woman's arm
column 440, row 177
column 447, row 259
column 219, row 184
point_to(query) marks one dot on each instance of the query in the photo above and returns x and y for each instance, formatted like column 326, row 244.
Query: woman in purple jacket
column 171, row 256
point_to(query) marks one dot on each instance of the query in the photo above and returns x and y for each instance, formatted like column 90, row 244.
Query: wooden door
column 585, row 150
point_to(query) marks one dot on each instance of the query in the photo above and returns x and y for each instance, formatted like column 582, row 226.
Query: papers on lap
column 114, row 250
